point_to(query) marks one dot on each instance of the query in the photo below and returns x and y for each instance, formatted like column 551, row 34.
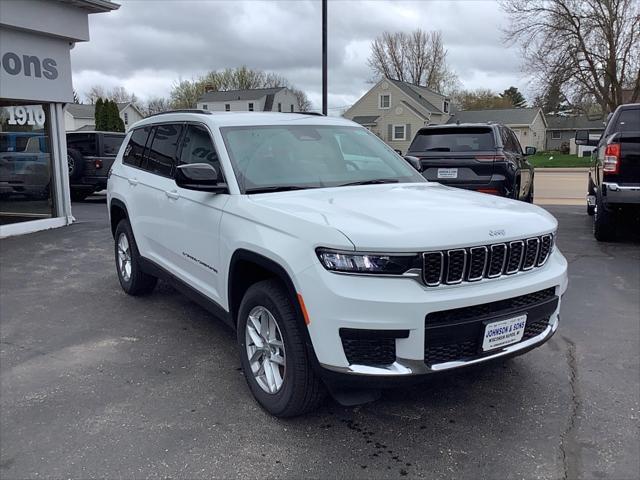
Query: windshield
column 453, row 140
column 311, row 156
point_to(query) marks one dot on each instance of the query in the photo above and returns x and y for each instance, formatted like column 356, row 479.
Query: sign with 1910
column 25, row 115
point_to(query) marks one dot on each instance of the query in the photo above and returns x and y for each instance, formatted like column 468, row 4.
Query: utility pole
column 324, row 57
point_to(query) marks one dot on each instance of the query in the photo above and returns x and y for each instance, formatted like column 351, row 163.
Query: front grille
column 490, row 309
column 457, row 334
column 487, row 261
column 370, row 347
column 372, row 352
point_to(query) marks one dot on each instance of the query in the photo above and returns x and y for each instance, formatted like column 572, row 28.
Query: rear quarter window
column 629, row 121
column 85, row 143
column 453, row 140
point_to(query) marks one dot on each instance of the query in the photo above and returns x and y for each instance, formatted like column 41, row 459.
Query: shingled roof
column 230, row 95
column 505, row 116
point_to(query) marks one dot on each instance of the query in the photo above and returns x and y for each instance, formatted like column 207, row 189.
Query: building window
column 27, row 163
column 251, row 107
column 556, row 134
column 446, row 106
column 205, row 106
column 291, row 108
column 227, row 107
column 126, row 118
column 384, row 100
column 279, row 107
column 398, row 132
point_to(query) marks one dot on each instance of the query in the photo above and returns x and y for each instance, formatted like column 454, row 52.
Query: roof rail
column 317, row 114
column 182, row 110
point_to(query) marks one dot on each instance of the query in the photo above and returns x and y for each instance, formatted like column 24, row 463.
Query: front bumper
column 336, row 302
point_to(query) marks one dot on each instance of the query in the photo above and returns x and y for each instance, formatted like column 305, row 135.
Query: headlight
column 368, row 263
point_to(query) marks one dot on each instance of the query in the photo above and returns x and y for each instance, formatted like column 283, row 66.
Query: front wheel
column 132, row 279
column 273, row 354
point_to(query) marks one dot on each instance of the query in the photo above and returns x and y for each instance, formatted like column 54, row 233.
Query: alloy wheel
column 71, row 163
column 124, row 257
column 265, row 349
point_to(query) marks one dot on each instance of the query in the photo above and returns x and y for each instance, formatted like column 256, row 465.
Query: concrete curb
column 562, row 169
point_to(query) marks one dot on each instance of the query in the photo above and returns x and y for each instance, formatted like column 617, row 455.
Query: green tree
column 481, row 99
column 514, row 95
column 185, row 93
column 99, row 114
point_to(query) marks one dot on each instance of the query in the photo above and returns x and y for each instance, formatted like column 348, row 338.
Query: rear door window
column 134, row 152
column 629, row 121
column 85, row 143
column 161, row 155
column 473, row 139
column 111, row 144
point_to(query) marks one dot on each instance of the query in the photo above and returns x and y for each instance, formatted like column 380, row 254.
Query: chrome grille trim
column 464, row 266
column 504, row 259
column 484, row 267
column 543, row 257
column 424, row 269
column 525, row 265
column 511, row 244
column 442, row 260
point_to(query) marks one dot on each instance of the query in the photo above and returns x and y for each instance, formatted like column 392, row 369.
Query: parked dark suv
column 483, row 157
column 89, row 157
column 614, row 177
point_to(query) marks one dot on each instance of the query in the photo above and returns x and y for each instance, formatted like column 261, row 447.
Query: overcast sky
column 147, row 45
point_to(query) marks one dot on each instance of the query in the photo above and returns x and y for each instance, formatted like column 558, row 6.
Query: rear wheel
column 604, row 228
column 132, row 279
column 273, row 354
column 75, row 163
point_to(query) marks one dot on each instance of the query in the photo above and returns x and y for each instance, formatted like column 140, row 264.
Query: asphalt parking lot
column 94, row 383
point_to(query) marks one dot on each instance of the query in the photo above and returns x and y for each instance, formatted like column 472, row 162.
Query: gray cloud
column 147, row 45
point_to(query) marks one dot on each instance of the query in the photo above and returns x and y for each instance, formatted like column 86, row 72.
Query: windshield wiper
column 370, row 182
column 275, row 188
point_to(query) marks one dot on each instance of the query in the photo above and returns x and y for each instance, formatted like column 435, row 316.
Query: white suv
column 336, row 262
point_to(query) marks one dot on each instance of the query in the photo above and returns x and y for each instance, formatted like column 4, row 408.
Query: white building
column 36, row 37
column 82, row 117
column 279, row 99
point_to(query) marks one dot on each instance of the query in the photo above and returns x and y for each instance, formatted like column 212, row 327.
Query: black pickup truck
column 614, row 177
column 89, row 158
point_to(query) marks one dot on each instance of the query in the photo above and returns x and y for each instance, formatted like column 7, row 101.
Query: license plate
column 447, row 173
column 504, row 332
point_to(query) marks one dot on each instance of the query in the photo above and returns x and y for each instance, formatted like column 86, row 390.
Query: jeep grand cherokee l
column 336, row 270
column 484, row 157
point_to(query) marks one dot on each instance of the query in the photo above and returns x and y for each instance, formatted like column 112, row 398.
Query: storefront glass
column 26, row 182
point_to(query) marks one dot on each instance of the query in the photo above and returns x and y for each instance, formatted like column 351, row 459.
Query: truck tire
column 604, row 227
column 75, row 163
column 591, row 209
column 132, row 279
column 273, row 353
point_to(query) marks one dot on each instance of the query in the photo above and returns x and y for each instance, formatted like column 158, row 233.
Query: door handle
column 133, row 182
column 172, row 194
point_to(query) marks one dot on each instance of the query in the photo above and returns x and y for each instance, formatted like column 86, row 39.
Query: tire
column 294, row 388
column 79, row 195
column 604, row 227
column 529, row 198
column 127, row 257
column 75, row 163
column 591, row 210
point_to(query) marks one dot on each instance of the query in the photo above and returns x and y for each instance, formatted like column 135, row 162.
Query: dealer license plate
column 504, row 332
column 447, row 173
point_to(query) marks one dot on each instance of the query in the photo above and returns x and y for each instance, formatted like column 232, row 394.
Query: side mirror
column 414, row 162
column 530, row 151
column 202, row 177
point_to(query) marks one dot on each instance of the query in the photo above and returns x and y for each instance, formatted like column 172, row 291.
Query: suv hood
column 412, row 216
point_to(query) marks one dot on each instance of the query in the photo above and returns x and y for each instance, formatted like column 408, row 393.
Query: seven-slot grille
column 487, row 261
